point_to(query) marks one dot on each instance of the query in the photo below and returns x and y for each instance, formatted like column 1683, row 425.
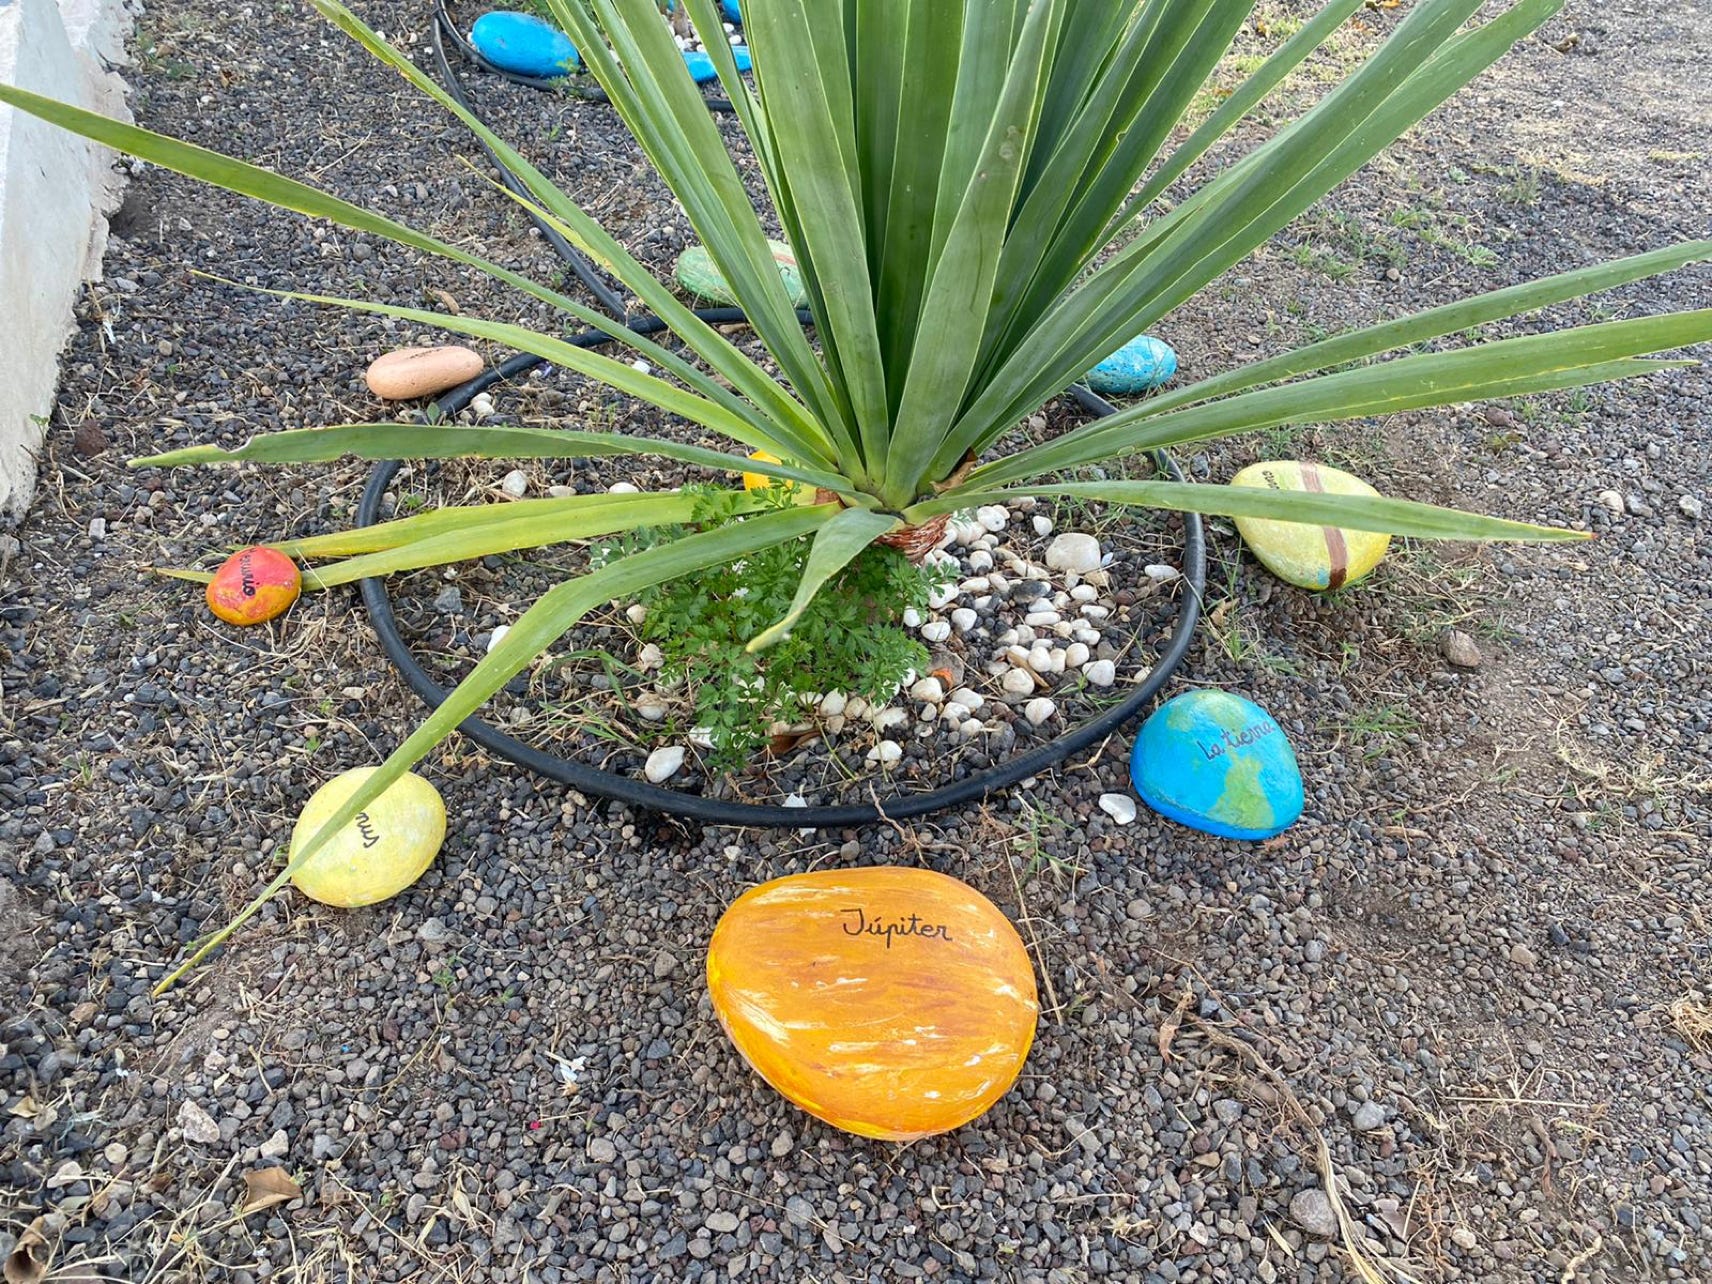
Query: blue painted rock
column 1216, row 762
column 700, row 275
column 701, row 66
column 523, row 45
column 1309, row 556
column 733, row 10
column 1139, row 366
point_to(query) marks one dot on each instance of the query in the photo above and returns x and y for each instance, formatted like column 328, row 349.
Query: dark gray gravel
column 1472, row 969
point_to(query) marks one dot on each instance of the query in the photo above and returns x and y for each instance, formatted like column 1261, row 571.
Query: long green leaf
column 1357, row 512
column 835, row 546
column 558, row 610
column 420, row 441
column 440, row 521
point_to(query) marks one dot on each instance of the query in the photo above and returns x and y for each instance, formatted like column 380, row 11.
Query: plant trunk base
column 916, row 542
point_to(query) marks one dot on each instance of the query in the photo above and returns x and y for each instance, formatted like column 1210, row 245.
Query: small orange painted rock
column 409, row 373
column 892, row 1003
column 254, row 585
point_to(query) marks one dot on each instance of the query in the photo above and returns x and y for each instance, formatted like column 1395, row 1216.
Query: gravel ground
column 1465, row 988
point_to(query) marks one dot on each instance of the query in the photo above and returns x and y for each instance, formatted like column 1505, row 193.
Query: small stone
column 1219, row 763
column 1101, row 673
column 623, row 488
column 636, row 613
column 199, row 1127
column 993, row 517
column 937, row 631
column 782, row 1145
column 409, row 373
column 1076, row 655
column 928, row 691
column 1460, row 649
column 1312, row 1211
column 964, row 619
column 1040, row 710
column 1159, row 573
column 887, row 752
column 1017, row 682
column 1369, row 1116
column 1301, row 553
column 651, row 707
column 663, row 763
column 497, row 636
column 1464, row 1239
column 253, row 585
column 1690, row 507
column 1120, row 807
column 721, row 1222
column 1073, row 551
column 601, row 1150
column 449, row 601
column 1042, row 525
column 516, row 483
column 1522, row 956
column 700, row 275
column 967, row 699
column 276, row 1146
column 1612, row 500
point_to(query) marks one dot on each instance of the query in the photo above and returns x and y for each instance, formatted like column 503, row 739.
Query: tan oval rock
column 409, row 373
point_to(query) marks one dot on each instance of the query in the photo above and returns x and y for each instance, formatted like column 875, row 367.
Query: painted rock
column 380, row 853
column 732, row 9
column 700, row 275
column 523, row 45
column 1140, row 365
column 760, row 481
column 408, row 373
column 892, row 1003
column 254, row 585
column 701, row 66
column 1312, row 557
column 1216, row 762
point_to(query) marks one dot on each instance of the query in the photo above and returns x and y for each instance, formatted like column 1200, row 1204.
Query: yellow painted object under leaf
column 760, row 481
column 1309, row 556
column 379, row 854
column 892, row 1003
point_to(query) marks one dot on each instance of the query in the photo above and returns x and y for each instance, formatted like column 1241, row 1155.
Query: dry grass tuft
column 1692, row 1016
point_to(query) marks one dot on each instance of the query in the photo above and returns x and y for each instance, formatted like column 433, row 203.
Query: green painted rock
column 380, row 853
column 1309, row 556
column 697, row 273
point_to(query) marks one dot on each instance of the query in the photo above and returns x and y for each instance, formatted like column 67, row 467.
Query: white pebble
column 497, row 636
column 833, row 703
column 976, row 585
column 954, row 713
column 1042, row 525
column 1086, row 634
column 1160, row 573
column 1076, row 655
column 481, row 405
column 1040, row 709
column 516, row 483
column 857, row 707
column 649, row 658
column 663, row 763
column 1063, row 629
column 1024, row 634
column 622, row 488
column 1094, row 611
column 886, row 753
column 1017, row 681
column 943, row 597
column 980, row 561
column 1085, row 593
column 701, row 737
column 888, row 718
column 1120, row 807
column 834, row 724
column 642, row 366
column 636, row 613
column 561, row 492
column 1043, row 619
column 993, row 517
column 1072, row 551
column 971, row 727
column 967, row 699
column 937, row 630
column 912, row 618
column 1101, row 673
column 966, row 533
column 964, row 619
column 651, row 707
column 929, row 690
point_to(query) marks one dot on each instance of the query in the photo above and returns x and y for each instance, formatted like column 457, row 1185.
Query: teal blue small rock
column 523, row 45
column 701, row 66
column 1218, row 763
column 733, row 10
column 1139, row 366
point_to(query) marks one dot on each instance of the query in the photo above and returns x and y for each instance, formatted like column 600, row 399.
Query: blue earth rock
column 1140, row 365
column 701, row 66
column 523, row 45
column 1218, row 763
column 733, row 10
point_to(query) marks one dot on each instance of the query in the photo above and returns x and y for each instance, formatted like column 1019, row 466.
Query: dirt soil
column 1471, row 989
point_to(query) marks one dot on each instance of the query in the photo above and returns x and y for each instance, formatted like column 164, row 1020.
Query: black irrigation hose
column 640, row 793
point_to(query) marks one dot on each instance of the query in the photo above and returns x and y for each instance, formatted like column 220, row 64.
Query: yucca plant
column 974, row 190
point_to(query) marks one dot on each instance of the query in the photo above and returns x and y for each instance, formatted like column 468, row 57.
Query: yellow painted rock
column 409, row 373
column 892, row 1003
column 760, row 481
column 379, row 854
column 1311, row 557
column 254, row 585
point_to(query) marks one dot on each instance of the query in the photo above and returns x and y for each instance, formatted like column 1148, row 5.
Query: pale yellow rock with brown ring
column 409, row 373
column 383, row 851
column 895, row 1034
column 1305, row 554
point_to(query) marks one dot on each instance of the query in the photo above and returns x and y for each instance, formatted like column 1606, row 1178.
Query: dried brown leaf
column 266, row 1187
column 1168, row 1027
column 30, row 1257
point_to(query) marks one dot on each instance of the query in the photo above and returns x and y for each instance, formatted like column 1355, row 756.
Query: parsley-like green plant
column 983, row 200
